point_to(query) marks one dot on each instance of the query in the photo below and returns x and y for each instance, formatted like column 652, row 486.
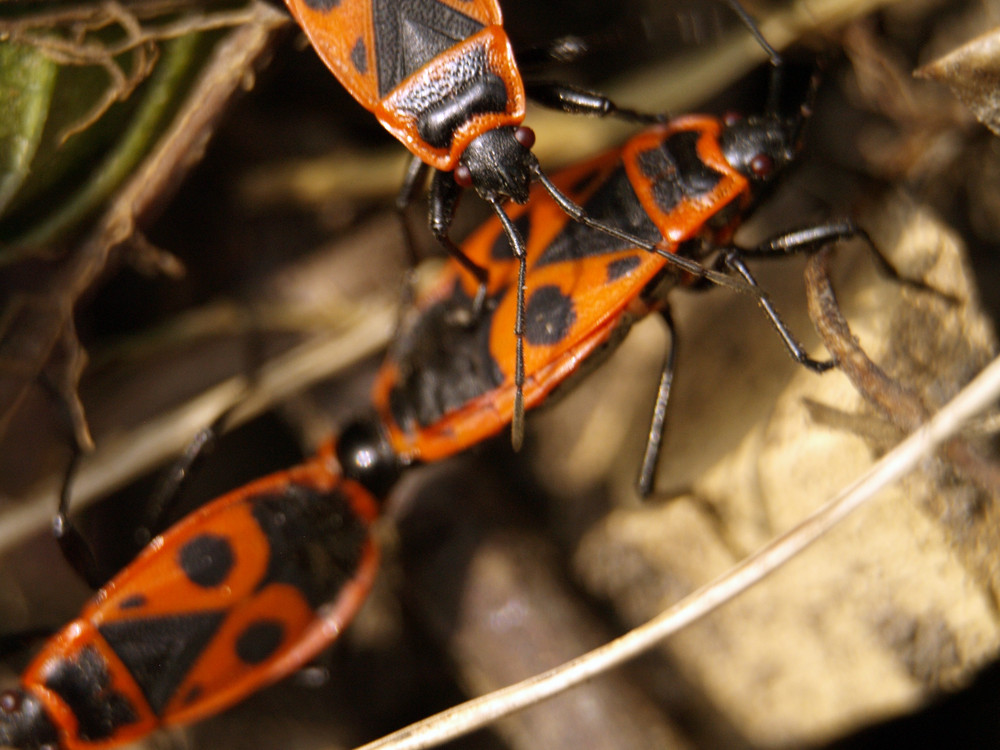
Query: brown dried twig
column 901, row 405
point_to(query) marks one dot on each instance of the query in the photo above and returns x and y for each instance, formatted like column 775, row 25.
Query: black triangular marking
column 159, row 651
column 411, row 33
column 548, row 316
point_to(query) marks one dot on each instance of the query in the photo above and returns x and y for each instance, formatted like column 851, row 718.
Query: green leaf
column 160, row 95
column 27, row 81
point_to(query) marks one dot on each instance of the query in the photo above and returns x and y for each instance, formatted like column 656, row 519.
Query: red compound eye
column 463, row 176
column 525, row 136
column 762, row 165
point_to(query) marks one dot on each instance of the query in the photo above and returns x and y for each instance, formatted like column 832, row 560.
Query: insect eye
column 525, row 136
column 762, row 165
column 463, row 176
column 731, row 118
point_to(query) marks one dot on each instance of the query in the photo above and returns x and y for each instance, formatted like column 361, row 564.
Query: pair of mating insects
column 253, row 585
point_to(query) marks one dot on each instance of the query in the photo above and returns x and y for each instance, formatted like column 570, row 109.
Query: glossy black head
column 499, row 164
column 24, row 723
column 366, row 457
column 760, row 147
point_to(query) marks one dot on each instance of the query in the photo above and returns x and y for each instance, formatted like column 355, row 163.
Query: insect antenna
column 517, row 245
column 776, row 83
column 679, row 262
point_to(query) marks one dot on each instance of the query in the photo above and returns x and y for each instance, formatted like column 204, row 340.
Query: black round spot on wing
column 548, row 316
column 206, row 560
column 259, row 641
column 133, row 602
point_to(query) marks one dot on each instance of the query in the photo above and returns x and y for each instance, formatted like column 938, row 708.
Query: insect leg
column 810, row 239
column 575, row 100
column 74, row 546
column 517, row 244
column 681, row 263
column 733, row 260
column 413, row 182
column 654, row 441
column 443, row 200
column 777, row 64
column 170, row 489
column 565, row 49
column 754, row 30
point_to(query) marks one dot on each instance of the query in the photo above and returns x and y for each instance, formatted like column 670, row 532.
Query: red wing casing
column 235, row 596
column 448, row 382
column 408, row 60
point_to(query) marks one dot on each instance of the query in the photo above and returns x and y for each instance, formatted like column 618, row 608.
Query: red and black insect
column 237, row 595
column 681, row 188
column 441, row 76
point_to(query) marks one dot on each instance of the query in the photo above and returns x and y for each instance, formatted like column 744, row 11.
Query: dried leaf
column 973, row 73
